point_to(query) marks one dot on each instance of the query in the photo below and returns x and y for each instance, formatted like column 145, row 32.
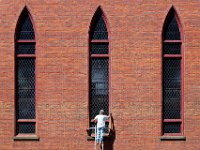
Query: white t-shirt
column 101, row 120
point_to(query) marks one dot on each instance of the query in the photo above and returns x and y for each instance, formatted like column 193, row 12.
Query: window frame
column 181, row 58
column 25, row 136
column 90, row 56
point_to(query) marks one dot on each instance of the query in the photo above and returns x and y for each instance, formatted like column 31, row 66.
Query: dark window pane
column 25, row 29
column 26, row 104
column 99, row 30
column 100, row 35
column 26, row 73
column 172, row 88
column 25, row 88
column 25, row 128
column 171, row 104
column 25, row 48
column 99, row 86
column 172, row 127
column 172, row 48
column 172, row 73
column 99, row 48
column 171, row 31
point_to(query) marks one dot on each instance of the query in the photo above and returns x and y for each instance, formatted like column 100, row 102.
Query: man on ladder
column 100, row 129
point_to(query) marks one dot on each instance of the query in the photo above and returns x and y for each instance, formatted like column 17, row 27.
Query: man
column 100, row 119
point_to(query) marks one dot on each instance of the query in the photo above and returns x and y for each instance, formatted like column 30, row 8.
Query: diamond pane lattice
column 172, row 106
column 26, row 104
column 172, row 29
column 171, row 89
column 25, row 29
column 26, row 73
column 99, row 48
column 172, row 127
column 25, row 128
column 25, row 88
column 99, row 86
column 172, row 48
column 99, row 30
column 25, row 48
column 172, row 73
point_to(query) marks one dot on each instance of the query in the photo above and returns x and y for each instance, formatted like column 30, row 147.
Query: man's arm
column 95, row 119
column 108, row 117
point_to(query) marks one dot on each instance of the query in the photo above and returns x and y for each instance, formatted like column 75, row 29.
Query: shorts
column 100, row 134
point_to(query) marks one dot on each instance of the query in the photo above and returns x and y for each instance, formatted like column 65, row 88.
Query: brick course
column 62, row 56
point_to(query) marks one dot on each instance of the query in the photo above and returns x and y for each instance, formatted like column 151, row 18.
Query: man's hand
column 94, row 120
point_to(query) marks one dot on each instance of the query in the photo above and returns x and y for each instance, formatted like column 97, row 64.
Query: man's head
column 101, row 112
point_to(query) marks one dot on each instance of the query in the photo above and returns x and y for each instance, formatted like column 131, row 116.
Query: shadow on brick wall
column 109, row 142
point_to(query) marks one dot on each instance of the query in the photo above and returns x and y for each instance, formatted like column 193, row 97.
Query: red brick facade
column 135, row 26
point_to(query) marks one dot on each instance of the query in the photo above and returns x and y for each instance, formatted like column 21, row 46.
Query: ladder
column 95, row 135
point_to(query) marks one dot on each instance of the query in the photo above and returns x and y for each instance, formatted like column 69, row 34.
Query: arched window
column 25, row 69
column 172, row 75
column 99, row 64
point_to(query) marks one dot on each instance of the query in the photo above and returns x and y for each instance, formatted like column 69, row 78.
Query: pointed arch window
column 172, row 76
column 99, row 64
column 25, row 69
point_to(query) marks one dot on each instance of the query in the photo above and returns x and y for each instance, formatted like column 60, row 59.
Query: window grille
column 172, row 127
column 172, row 48
column 99, row 67
column 172, row 81
column 25, row 48
column 99, row 31
column 172, row 29
column 25, row 29
column 25, row 75
column 99, row 48
column 26, row 128
column 99, row 85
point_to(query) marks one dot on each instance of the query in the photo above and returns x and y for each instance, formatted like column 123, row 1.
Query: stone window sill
column 173, row 138
column 24, row 137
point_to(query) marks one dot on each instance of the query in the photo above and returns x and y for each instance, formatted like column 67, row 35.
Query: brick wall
column 62, row 45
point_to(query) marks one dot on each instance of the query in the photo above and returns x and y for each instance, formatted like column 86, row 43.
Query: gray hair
column 101, row 112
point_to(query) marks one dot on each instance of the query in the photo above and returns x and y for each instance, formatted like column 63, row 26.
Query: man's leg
column 101, row 137
column 98, row 138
